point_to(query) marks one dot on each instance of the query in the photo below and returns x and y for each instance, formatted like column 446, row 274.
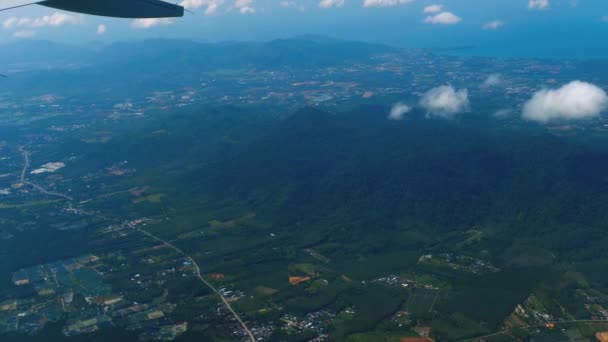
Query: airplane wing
column 12, row 4
column 110, row 8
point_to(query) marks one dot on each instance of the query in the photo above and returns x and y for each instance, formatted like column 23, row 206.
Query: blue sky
column 544, row 28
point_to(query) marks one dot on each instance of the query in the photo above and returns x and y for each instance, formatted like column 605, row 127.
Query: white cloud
column 101, row 29
column 212, row 5
column 292, row 4
column 331, row 3
column 53, row 20
column 538, row 4
column 573, row 101
column 384, row 3
column 24, row 34
column 433, row 9
column 150, row 22
column 244, row 6
column 10, row 22
column 399, row 110
column 501, row 113
column 493, row 25
column 193, row 4
column 56, row 19
column 445, row 101
column 492, row 80
column 605, row 18
column 445, row 18
column 15, row 22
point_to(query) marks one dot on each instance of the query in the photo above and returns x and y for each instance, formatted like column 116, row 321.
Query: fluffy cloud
column 445, row 101
column 493, row 25
column 331, row 3
column 492, row 80
column 101, row 29
column 54, row 20
column 538, row 4
column 573, row 101
column 384, row 3
column 292, row 4
column 24, row 34
column 433, row 9
column 244, row 6
column 398, row 110
column 501, row 113
column 445, row 18
column 150, row 22
column 212, row 5
column 10, row 22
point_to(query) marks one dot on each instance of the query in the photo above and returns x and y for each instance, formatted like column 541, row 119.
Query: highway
column 23, row 179
column 527, row 327
column 50, row 193
column 26, row 164
column 200, row 277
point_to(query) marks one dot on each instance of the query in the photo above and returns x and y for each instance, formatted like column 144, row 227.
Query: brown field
column 416, row 339
column 297, row 280
column 8, row 306
column 116, row 172
column 156, row 315
column 602, row 336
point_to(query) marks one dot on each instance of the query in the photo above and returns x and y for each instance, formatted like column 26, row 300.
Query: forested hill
column 373, row 174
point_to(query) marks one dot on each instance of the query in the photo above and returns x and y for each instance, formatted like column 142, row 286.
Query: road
column 200, row 277
column 50, row 193
column 26, row 164
column 526, row 327
column 23, row 179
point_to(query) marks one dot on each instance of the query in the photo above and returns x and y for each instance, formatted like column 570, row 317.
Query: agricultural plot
column 422, row 301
